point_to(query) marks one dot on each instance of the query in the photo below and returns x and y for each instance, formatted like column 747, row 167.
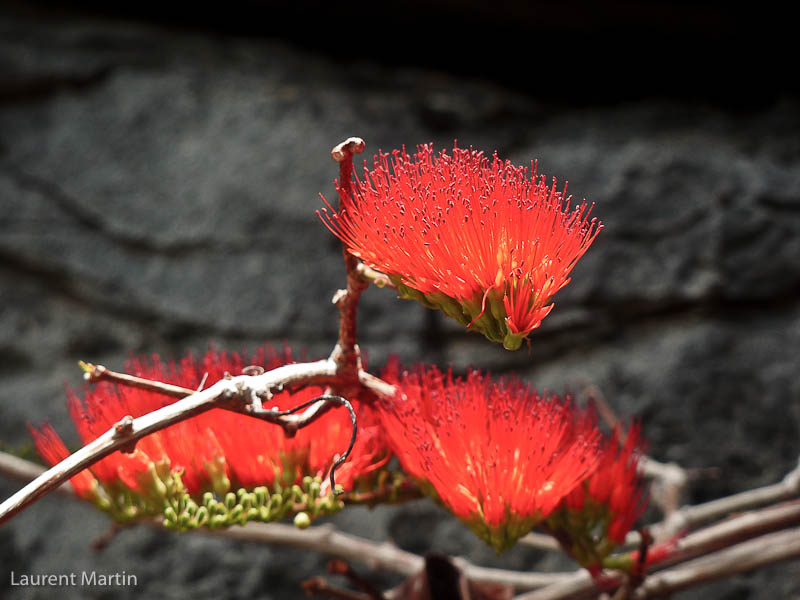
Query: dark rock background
column 159, row 172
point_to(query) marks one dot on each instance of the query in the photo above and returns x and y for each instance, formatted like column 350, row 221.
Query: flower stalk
column 346, row 354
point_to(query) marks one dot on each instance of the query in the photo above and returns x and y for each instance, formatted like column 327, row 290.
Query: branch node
column 122, row 429
column 253, row 370
column 91, row 372
column 370, row 275
column 346, row 149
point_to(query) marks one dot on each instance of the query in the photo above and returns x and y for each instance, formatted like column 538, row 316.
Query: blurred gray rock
column 158, row 191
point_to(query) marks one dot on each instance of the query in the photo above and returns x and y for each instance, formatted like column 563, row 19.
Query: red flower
column 53, row 450
column 497, row 454
column 218, row 450
column 480, row 239
column 597, row 515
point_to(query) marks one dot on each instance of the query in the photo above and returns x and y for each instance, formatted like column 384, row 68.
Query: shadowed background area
column 160, row 166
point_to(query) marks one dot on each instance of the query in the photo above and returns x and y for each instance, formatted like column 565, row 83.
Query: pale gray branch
column 326, row 539
column 237, row 391
column 692, row 516
column 741, row 558
column 542, row 541
column 718, row 537
column 669, row 482
column 732, row 530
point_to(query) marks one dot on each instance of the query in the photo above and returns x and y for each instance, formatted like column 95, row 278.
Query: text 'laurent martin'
column 84, row 578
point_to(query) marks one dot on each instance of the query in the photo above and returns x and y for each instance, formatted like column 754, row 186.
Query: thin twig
column 520, row 580
column 733, row 530
column 709, row 541
column 319, row 586
column 274, row 415
column 95, row 373
column 376, row 385
column 372, row 276
column 341, row 567
column 669, row 482
column 346, row 353
column 692, row 516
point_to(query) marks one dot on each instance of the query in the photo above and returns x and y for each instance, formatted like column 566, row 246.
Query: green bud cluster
column 160, row 491
column 155, row 485
column 216, row 511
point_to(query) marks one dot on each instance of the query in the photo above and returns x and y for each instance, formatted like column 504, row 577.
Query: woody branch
column 346, row 352
column 243, row 393
column 731, row 545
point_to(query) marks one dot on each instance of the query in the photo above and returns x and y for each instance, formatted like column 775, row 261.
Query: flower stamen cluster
column 486, row 242
column 495, row 453
column 593, row 520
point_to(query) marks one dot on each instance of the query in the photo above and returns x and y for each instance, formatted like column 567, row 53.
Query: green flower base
column 585, row 532
column 161, row 492
column 492, row 323
column 214, row 512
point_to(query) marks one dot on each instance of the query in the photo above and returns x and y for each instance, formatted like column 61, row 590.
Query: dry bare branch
column 713, row 541
column 692, row 516
column 235, row 393
column 741, row 558
column 94, row 373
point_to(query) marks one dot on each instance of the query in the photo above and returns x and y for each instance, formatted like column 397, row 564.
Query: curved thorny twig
column 325, row 399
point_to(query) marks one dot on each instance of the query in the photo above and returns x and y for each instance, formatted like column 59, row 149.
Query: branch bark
column 692, row 516
column 717, row 544
column 741, row 558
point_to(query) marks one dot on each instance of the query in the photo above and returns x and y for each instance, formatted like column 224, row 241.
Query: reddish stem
column 346, row 353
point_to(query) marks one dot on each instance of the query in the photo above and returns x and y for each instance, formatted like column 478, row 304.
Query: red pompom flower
column 217, row 451
column 496, row 453
column 594, row 519
column 484, row 241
